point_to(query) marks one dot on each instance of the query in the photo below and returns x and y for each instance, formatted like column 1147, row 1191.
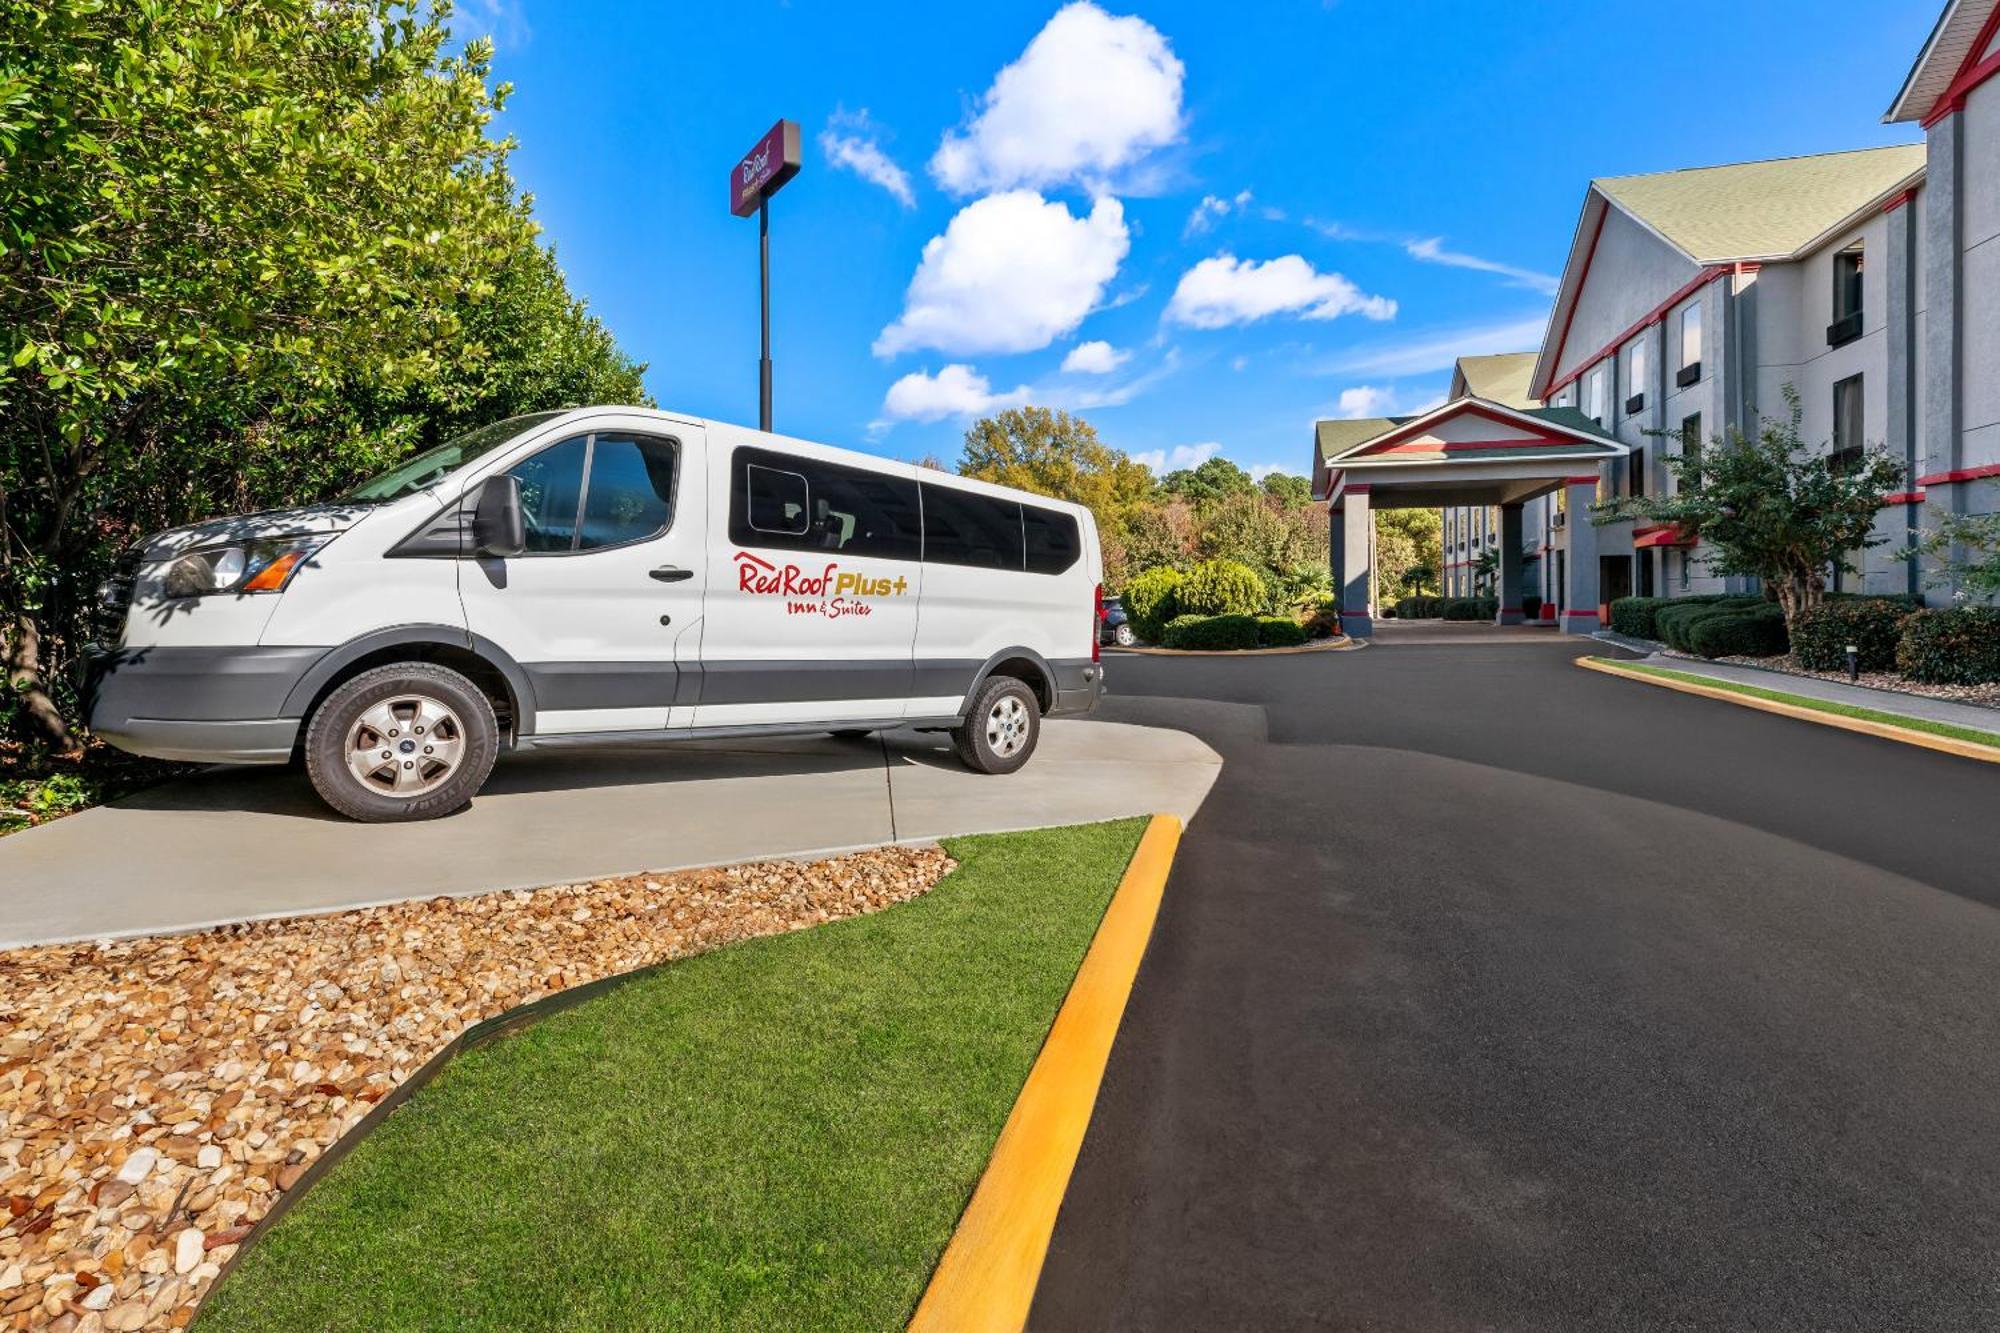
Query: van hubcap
column 405, row 745
column 1007, row 727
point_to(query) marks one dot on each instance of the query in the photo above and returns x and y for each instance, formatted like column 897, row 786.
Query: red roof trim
column 1666, row 534
column 1896, row 201
column 1473, row 446
column 1963, row 474
column 1970, row 75
column 1659, row 312
column 1903, row 498
column 1581, row 481
column 1589, row 255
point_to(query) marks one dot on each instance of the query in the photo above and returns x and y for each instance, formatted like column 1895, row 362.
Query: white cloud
column 1090, row 97
column 1259, row 471
column 1012, row 273
column 1095, row 357
column 1225, row 290
column 1163, row 461
column 1432, row 251
column 1212, row 209
column 1436, row 350
column 956, row 391
column 1366, row 400
column 1372, row 400
column 853, row 142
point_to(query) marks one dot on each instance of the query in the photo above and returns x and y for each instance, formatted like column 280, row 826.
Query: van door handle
column 671, row 574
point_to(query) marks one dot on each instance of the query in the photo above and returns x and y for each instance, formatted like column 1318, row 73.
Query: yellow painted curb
column 987, row 1277
column 1887, row 731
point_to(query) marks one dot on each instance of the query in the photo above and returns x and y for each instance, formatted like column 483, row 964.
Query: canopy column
column 1580, row 600
column 1353, row 528
column 1510, row 566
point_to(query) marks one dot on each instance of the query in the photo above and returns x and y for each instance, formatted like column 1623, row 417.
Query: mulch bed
column 158, row 1095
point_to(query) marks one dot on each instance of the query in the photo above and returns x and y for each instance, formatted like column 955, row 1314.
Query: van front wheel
column 1000, row 728
column 412, row 740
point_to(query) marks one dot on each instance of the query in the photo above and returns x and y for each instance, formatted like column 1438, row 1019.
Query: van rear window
column 790, row 503
column 1054, row 544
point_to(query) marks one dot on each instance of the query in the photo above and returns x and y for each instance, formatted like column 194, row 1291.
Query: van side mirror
column 497, row 527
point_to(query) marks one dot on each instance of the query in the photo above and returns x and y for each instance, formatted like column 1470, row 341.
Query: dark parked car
column 1115, row 628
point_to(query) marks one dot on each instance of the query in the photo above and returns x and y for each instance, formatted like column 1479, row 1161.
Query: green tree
column 1770, row 507
column 1967, row 549
column 1294, row 492
column 247, row 252
column 1216, row 479
column 1409, row 549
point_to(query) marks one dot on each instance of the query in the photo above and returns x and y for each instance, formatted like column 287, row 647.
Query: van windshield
column 434, row 465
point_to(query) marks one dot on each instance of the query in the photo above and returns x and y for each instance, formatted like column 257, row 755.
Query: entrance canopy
column 1469, row 451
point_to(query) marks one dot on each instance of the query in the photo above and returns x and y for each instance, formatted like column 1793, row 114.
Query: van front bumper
column 199, row 705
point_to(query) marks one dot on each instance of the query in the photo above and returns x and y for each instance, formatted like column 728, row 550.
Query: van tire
column 411, row 689
column 1001, row 727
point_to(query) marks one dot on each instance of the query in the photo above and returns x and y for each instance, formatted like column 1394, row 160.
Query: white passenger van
column 600, row 575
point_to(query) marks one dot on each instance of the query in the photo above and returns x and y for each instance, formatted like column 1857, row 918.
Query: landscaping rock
column 156, row 1096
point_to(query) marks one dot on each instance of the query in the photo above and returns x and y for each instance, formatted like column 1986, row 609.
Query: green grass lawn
column 778, row 1135
column 1817, row 705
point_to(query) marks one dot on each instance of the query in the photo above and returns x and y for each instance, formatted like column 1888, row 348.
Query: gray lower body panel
column 199, row 705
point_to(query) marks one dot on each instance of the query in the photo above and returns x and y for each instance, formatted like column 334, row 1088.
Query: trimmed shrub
column 1222, row 588
column 1209, row 633
column 1460, row 608
column 1872, row 624
column 1152, row 598
column 1279, row 632
column 1418, row 608
column 1757, row 632
column 1958, row 645
column 1678, row 617
column 1634, row 615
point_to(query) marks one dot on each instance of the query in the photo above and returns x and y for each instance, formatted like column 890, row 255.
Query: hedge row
column 1957, row 645
column 1470, row 608
column 1232, row 633
column 1940, row 646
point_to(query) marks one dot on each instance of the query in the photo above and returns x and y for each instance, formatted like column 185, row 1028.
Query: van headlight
column 264, row 565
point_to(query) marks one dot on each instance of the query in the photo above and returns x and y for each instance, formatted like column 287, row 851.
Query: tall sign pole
column 761, row 172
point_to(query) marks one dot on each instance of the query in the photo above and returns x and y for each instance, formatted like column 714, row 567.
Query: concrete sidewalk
column 245, row 844
column 1974, row 716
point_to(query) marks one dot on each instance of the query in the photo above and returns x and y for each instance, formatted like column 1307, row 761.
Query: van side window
column 1054, row 543
column 595, row 491
column 630, row 492
column 552, row 493
column 777, row 503
column 961, row 528
column 804, row 504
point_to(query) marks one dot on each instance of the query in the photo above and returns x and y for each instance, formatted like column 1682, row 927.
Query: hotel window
column 1847, row 443
column 1593, row 403
column 1846, row 326
column 1691, row 441
column 1635, row 376
column 1690, row 370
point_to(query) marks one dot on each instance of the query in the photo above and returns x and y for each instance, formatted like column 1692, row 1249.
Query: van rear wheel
column 1000, row 728
column 408, row 741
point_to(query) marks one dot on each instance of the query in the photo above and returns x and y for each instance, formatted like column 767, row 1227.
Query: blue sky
column 988, row 189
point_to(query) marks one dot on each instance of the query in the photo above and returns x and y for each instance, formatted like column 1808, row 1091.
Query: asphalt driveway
column 1490, row 993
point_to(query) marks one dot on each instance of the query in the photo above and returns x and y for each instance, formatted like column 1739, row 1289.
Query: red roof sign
column 769, row 164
